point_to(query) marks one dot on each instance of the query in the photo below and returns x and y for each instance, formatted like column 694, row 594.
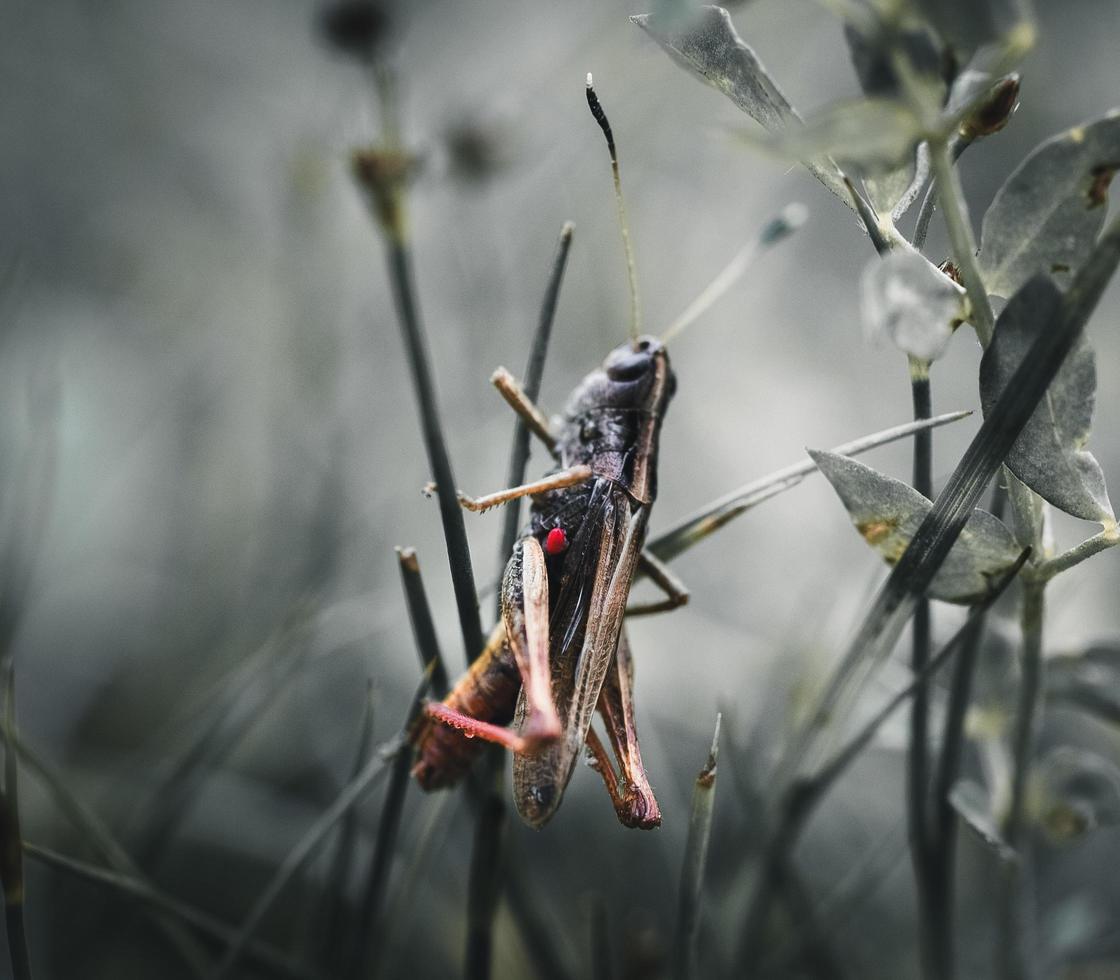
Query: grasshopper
column 560, row 651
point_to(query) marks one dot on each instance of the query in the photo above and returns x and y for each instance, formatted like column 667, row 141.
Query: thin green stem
column 1015, row 959
column 485, row 881
column 695, row 861
column 11, row 837
column 951, row 198
column 451, row 514
column 534, row 373
column 423, row 626
column 1107, row 538
column 917, row 770
column 801, row 798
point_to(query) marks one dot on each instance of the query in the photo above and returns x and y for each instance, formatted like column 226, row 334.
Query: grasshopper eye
column 630, row 366
column 557, row 541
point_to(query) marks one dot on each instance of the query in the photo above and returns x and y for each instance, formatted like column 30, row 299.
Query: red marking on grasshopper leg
column 556, row 542
column 472, row 727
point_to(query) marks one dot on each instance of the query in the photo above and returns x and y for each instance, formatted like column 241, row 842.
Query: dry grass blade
column 695, row 861
column 698, row 526
column 423, row 626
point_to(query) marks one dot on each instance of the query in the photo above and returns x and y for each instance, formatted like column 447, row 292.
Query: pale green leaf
column 1049, row 455
column 1047, row 216
column 887, row 512
column 908, row 299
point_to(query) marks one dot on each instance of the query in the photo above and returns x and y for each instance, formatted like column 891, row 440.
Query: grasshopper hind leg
column 628, row 785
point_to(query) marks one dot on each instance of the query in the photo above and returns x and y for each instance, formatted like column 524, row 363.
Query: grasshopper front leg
column 554, row 481
column 629, row 787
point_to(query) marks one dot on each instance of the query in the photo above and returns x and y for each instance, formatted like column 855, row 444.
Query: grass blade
column 314, row 837
column 423, row 626
column 715, row 515
column 11, row 839
column 534, row 372
column 367, row 946
column 695, row 860
column 155, row 900
column 96, row 836
column 332, row 915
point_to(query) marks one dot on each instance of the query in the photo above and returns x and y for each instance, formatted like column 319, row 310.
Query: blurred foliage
column 210, row 450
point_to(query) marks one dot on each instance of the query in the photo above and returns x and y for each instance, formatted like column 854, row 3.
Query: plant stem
column 953, row 206
column 804, row 793
column 695, row 862
column 11, row 838
column 1105, row 539
column 1016, row 961
column 534, row 372
column 420, row 615
column 454, row 529
column 943, row 839
column 484, row 886
column 917, row 771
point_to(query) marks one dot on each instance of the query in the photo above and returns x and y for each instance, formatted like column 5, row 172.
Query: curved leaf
column 709, row 47
column 887, row 512
column 876, row 135
column 1089, row 681
column 972, row 804
column 1048, row 455
column 908, row 299
column 1047, row 216
column 1076, row 791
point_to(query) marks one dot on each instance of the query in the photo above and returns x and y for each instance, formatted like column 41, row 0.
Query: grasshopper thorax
column 613, row 419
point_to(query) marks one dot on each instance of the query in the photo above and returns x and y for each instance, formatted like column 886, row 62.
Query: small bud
column 993, row 113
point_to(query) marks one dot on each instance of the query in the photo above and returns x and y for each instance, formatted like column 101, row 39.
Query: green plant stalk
column 308, row 845
column 1016, row 961
column 695, row 862
column 917, row 768
column 953, row 206
column 368, row 940
column 485, row 881
column 11, row 839
column 451, row 514
column 153, row 900
column 1101, row 541
column 330, row 924
column 420, row 616
column 801, row 798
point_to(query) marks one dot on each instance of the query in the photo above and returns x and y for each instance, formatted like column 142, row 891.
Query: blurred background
column 210, row 448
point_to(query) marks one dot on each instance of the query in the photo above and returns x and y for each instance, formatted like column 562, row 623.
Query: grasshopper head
column 613, row 418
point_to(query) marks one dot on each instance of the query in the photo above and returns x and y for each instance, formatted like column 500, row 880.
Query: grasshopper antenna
column 781, row 226
column 631, row 272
